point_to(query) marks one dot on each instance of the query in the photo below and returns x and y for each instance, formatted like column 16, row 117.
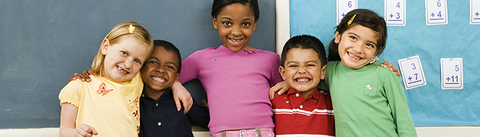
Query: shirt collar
column 314, row 95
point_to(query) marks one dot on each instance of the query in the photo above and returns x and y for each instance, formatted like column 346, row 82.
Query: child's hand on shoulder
column 83, row 76
column 85, row 130
column 387, row 64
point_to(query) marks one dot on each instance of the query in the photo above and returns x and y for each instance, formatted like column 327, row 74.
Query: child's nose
column 236, row 31
column 302, row 70
column 160, row 70
column 128, row 64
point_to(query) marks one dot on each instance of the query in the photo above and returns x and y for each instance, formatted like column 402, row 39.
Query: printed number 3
column 413, row 66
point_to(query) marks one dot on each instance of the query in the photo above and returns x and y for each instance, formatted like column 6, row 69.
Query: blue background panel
column 430, row 105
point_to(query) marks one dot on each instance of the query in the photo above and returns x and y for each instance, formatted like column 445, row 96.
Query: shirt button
column 156, row 105
column 297, row 94
column 301, row 106
column 159, row 123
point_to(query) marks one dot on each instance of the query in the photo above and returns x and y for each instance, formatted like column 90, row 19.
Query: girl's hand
column 181, row 95
column 85, row 130
column 387, row 64
column 84, row 76
column 281, row 87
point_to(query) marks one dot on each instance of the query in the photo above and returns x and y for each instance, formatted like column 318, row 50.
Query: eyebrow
column 232, row 19
column 361, row 37
column 305, row 62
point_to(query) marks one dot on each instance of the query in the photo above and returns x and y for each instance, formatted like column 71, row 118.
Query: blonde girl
column 108, row 105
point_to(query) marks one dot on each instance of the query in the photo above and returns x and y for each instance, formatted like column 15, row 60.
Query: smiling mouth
column 159, row 79
column 302, row 79
column 353, row 56
column 235, row 41
column 122, row 70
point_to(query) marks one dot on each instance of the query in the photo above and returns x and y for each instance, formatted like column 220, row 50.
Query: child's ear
column 104, row 46
column 254, row 25
column 337, row 37
column 178, row 76
column 324, row 69
column 282, row 72
column 215, row 24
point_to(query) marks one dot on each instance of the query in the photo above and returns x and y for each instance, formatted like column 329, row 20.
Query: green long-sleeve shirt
column 368, row 102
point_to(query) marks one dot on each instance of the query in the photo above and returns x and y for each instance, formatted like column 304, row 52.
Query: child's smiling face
column 235, row 25
column 123, row 60
column 160, row 70
column 357, row 46
column 303, row 70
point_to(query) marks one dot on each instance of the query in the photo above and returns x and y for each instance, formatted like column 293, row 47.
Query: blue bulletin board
column 430, row 105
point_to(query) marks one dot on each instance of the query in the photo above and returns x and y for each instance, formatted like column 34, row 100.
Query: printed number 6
column 413, row 66
column 439, row 3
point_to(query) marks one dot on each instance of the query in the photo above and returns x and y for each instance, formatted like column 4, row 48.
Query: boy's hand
column 281, row 87
column 205, row 103
column 387, row 64
column 85, row 130
column 84, row 76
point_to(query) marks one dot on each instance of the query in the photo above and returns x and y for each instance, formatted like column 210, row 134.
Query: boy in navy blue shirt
column 158, row 113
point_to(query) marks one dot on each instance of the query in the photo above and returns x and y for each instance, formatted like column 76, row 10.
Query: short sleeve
column 71, row 93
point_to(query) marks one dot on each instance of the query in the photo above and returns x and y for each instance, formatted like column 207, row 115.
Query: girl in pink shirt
column 235, row 75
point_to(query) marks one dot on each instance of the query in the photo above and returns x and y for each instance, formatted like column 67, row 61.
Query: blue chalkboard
column 44, row 42
column 430, row 105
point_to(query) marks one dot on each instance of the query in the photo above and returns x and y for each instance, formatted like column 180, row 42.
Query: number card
column 412, row 72
column 452, row 73
column 436, row 12
column 395, row 12
column 343, row 7
column 474, row 11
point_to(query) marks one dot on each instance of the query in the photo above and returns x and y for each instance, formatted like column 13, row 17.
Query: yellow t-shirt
column 111, row 107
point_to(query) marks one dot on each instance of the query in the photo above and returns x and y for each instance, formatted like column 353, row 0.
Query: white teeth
column 159, row 79
column 123, row 71
column 354, row 57
column 303, row 80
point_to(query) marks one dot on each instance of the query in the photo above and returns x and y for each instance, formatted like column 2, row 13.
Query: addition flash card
column 412, row 72
column 436, row 12
column 343, row 7
column 395, row 12
column 452, row 73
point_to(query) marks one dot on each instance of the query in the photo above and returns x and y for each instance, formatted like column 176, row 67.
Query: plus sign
column 410, row 78
column 476, row 14
column 433, row 15
column 343, row 14
column 391, row 15
column 448, row 78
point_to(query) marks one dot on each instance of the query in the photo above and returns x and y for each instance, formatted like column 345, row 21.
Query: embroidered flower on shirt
column 250, row 51
column 133, row 107
column 102, row 89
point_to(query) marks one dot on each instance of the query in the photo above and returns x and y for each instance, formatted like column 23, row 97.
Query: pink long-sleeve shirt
column 237, row 85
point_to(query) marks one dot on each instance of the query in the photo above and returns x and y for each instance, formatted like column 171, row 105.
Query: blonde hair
column 115, row 36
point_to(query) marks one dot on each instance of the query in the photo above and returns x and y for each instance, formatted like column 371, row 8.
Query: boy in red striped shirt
column 304, row 110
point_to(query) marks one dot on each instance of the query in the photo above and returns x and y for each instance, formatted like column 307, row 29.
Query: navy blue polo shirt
column 161, row 118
